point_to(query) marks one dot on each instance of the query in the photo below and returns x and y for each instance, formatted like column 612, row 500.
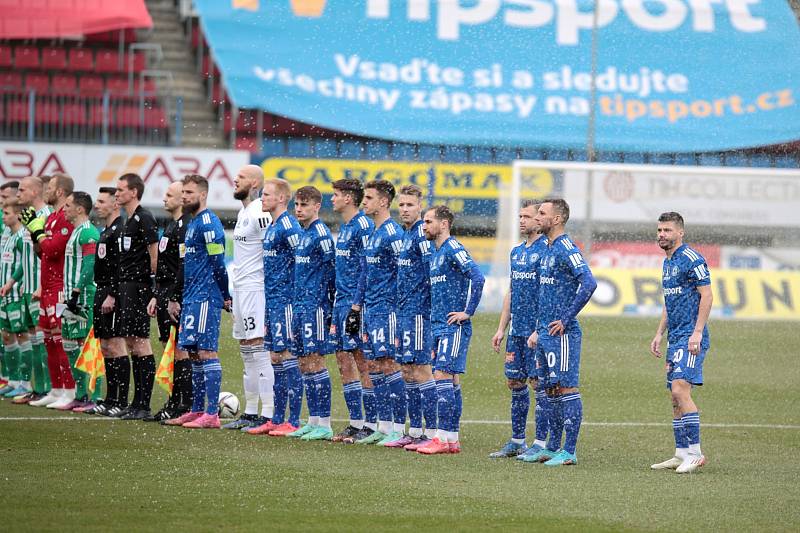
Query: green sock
column 72, row 347
column 25, row 360
column 12, row 361
column 40, row 364
column 97, row 395
column 3, row 372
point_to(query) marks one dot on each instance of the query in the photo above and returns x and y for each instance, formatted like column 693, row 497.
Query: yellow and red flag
column 91, row 360
column 166, row 367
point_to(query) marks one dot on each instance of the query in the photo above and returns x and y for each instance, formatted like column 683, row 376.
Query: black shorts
column 106, row 325
column 132, row 304
column 162, row 316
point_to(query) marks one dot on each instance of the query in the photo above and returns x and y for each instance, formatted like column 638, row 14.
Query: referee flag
column 164, row 373
column 91, row 360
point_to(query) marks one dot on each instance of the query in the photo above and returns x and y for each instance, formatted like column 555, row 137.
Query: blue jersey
column 350, row 244
column 281, row 241
column 683, row 273
column 381, row 253
column 413, row 282
column 525, row 286
column 451, row 286
column 204, row 274
column 314, row 267
column 560, row 267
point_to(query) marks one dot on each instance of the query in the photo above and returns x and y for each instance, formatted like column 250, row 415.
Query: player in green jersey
column 8, row 191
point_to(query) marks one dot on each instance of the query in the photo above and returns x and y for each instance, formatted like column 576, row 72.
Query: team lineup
column 391, row 301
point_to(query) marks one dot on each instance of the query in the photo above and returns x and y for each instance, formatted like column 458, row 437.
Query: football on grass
column 228, row 405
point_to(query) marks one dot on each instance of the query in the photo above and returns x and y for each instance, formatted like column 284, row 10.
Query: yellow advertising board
column 466, row 181
column 753, row 294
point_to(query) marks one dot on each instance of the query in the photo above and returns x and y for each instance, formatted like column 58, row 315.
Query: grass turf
column 96, row 474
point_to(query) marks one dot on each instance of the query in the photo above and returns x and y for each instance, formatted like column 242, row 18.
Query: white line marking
column 468, row 422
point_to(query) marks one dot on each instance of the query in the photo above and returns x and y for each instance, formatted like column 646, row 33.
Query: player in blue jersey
column 456, row 287
column 687, row 304
column 414, row 339
column 205, row 294
column 282, row 239
column 350, row 243
column 520, row 309
column 566, row 284
column 313, row 298
column 377, row 293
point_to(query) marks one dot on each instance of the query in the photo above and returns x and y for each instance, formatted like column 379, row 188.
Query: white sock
column 441, row 435
column 384, row 427
column 313, row 420
column 358, row 424
column 399, row 428
column 431, row 433
column 540, row 443
column 325, row 421
column 681, row 452
column 694, row 449
column 249, row 379
column 371, row 425
column 266, row 382
column 452, row 436
column 415, row 432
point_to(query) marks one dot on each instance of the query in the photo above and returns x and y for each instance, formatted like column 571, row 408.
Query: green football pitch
column 80, row 473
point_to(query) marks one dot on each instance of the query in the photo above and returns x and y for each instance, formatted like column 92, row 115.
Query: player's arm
column 328, row 249
column 586, row 287
column 655, row 344
column 358, row 297
column 88, row 244
column 35, row 226
column 467, row 266
column 215, row 248
column 505, row 318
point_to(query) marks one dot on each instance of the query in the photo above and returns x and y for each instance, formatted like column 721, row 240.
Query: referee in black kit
column 169, row 288
column 137, row 267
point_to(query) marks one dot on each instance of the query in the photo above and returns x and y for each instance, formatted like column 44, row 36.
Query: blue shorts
column 310, row 331
column 380, row 331
column 683, row 365
column 199, row 329
column 452, row 345
column 414, row 340
column 562, row 356
column 278, row 331
column 520, row 360
column 342, row 341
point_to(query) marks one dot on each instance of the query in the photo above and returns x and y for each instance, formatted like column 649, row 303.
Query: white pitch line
column 468, row 422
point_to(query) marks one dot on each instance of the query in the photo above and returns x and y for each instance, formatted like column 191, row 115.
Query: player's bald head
column 252, row 172
column 34, row 182
column 175, row 187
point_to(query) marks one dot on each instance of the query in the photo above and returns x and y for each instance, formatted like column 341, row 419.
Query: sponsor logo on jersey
column 303, row 260
column 523, row 275
column 547, row 280
column 404, row 262
column 270, row 253
column 673, row 291
column 438, row 279
column 342, row 253
column 240, row 238
column 373, row 260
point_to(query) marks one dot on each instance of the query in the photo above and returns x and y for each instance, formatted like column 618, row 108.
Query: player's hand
column 6, row 288
column 174, row 311
column 655, row 345
column 37, row 294
column 72, row 303
column 694, row 343
column 533, row 340
column 227, row 305
column 555, row 328
column 457, row 317
column 352, row 324
column 108, row 305
column 34, row 224
column 497, row 340
column 151, row 307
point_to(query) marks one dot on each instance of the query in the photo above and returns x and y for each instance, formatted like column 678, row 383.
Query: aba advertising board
column 99, row 166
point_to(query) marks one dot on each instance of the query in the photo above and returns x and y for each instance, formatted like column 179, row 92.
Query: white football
column 228, row 405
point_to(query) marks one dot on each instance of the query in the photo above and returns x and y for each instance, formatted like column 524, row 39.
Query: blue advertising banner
column 672, row 75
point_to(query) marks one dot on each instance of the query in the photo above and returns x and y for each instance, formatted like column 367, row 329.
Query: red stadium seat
column 107, row 61
column 62, row 84
column 91, row 85
column 17, row 111
column 10, row 80
column 54, row 58
column 117, row 86
column 5, row 56
column 96, row 115
column 74, row 115
column 127, row 116
column 38, row 82
column 246, row 142
column 81, row 60
column 46, row 113
column 26, row 57
column 139, row 62
column 155, row 118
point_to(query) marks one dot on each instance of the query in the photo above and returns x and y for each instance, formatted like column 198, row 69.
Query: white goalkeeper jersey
column 247, row 268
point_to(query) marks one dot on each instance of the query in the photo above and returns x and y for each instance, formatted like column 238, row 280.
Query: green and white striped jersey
column 11, row 257
column 82, row 243
column 30, row 261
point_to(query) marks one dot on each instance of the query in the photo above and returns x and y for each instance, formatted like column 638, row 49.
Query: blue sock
column 691, row 428
column 198, row 387
column 213, row 379
column 542, row 415
column 397, row 395
column 414, row 400
column 294, row 390
column 430, row 400
column 681, row 441
column 311, row 395
column 322, row 382
column 370, row 407
column 382, row 396
column 446, row 404
column 572, row 414
column 280, row 392
column 556, row 424
column 520, row 404
column 458, row 407
column 352, row 398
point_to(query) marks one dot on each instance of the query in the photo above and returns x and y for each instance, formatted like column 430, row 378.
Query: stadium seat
column 298, row 147
column 662, row 159
column 155, row 118
column 6, row 56
column 481, row 154
column 117, row 86
column 427, row 152
column 10, row 80
column 760, row 160
column 785, row 161
column 95, row 118
column 455, row 154
column 127, row 116
column 91, row 85
column 710, row 160
column 47, row 112
column 107, row 61
column 350, row 149
column 281, row 126
column 26, row 57
column 504, row 155
column 219, row 96
column 80, row 60
column 273, row 147
column 323, row 148
column 17, row 111
column 54, row 58
column 685, row 159
column 139, row 62
column 634, row 158
column 558, row 155
column 403, row 151
column 246, row 142
column 64, row 84
column 74, row 114
column 38, row 82
column 605, row 157
column 736, row 159
column 532, row 154
column 377, row 150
